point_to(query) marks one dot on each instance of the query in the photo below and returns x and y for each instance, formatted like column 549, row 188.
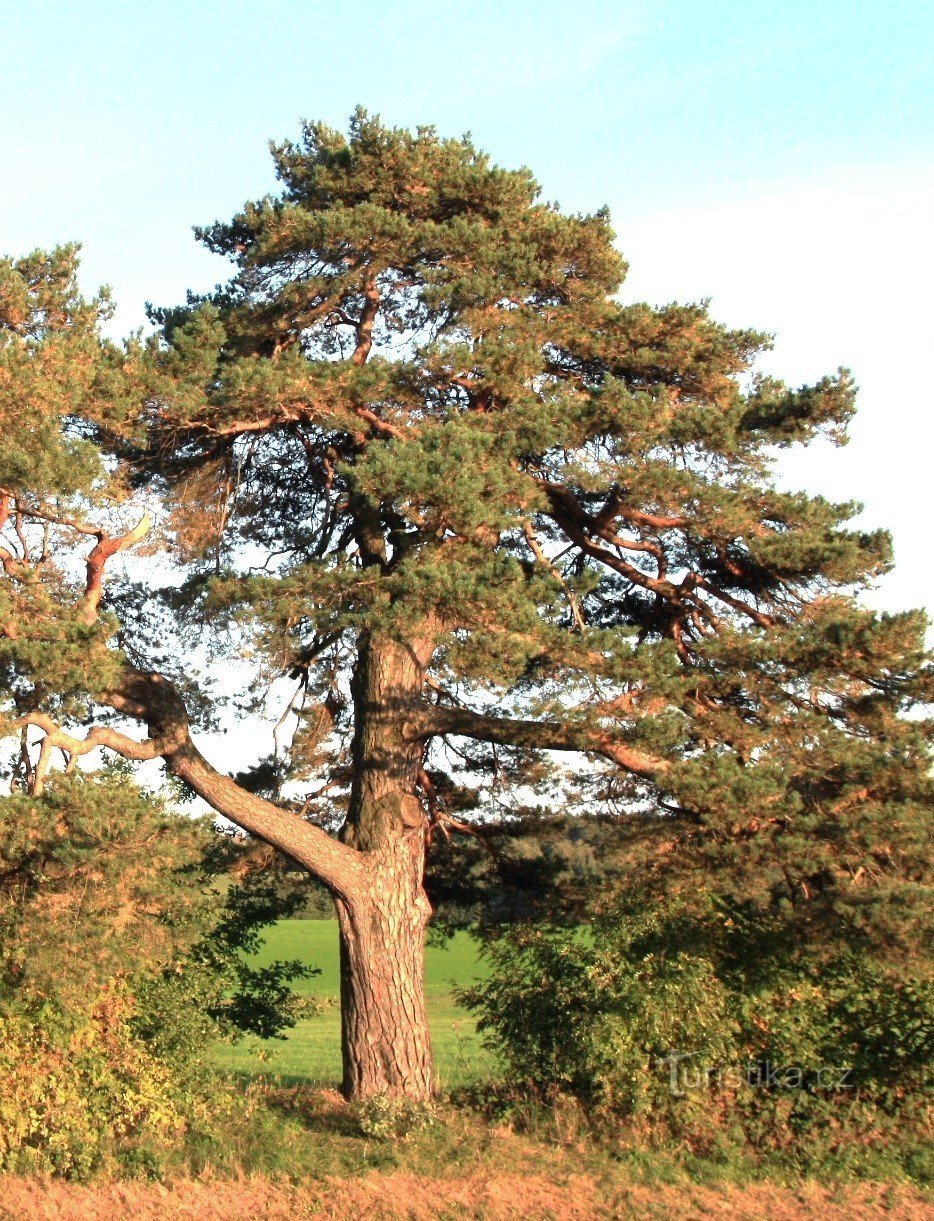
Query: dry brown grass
column 460, row 1165
column 418, row 1198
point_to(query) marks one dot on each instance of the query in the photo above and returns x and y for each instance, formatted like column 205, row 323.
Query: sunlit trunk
column 384, row 1026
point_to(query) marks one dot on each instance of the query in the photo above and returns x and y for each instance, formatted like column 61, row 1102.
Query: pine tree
column 418, row 459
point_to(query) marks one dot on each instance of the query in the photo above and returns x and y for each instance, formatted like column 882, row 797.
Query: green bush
column 120, row 968
column 79, row 1095
column 567, row 1010
column 639, row 1016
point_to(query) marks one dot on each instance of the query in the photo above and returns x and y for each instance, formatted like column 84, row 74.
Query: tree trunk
column 384, row 1027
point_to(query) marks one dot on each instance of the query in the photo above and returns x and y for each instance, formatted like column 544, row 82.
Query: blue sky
column 774, row 157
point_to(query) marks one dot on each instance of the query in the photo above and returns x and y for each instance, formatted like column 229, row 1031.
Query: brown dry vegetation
column 458, row 1166
column 482, row 1195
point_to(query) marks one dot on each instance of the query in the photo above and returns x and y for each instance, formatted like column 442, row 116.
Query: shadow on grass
column 320, row 1109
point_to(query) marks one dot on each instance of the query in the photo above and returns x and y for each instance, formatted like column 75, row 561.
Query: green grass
column 310, row 1055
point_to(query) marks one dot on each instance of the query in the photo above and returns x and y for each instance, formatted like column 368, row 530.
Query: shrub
column 81, row 1094
column 639, row 1016
column 119, row 970
column 567, row 1010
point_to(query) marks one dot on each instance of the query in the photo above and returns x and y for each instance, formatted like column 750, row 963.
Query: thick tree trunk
column 384, row 1026
column 385, row 1040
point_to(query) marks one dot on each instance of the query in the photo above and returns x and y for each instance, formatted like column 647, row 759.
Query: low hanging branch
column 56, row 738
column 151, row 698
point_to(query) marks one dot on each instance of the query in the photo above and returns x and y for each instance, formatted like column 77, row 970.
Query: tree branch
column 153, row 699
column 575, row 522
column 106, row 547
column 536, row 549
column 100, row 735
column 434, row 720
column 367, row 319
column 575, row 531
column 41, row 515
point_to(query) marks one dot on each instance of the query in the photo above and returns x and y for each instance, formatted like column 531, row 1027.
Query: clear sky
column 775, row 157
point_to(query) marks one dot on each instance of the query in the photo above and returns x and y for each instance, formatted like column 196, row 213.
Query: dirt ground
column 490, row 1197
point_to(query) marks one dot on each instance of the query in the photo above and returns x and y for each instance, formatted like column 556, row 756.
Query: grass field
column 311, row 1052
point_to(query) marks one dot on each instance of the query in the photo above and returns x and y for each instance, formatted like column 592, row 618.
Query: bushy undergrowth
column 119, row 970
column 810, row 1057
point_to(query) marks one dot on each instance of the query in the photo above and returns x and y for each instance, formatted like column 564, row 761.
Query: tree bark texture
column 385, row 1040
column 384, row 1026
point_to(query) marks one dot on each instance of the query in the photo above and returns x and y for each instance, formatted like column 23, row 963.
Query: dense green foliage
column 120, row 968
column 700, row 1027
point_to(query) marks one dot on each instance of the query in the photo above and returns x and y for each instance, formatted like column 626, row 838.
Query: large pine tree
column 418, row 459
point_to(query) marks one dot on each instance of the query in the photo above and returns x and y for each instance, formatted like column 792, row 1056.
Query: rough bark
column 375, row 875
column 385, row 1038
column 384, row 1026
column 387, row 749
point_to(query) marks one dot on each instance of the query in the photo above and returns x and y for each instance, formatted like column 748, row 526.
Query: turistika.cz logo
column 685, row 1075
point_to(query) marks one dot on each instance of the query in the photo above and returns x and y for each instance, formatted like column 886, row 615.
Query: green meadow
column 311, row 1055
